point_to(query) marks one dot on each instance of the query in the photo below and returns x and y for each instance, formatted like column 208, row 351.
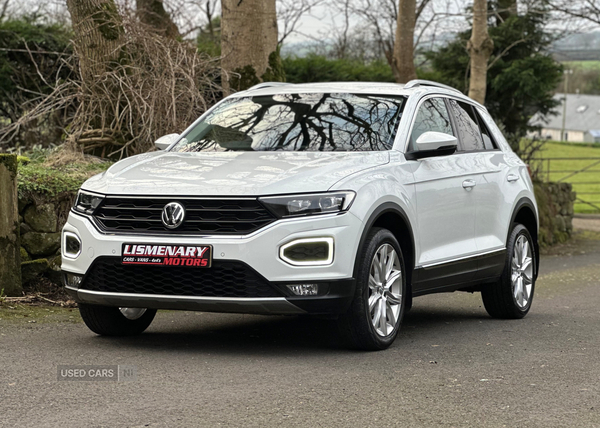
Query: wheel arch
column 392, row 217
column 525, row 214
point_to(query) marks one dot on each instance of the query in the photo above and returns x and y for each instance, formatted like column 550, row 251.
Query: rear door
column 487, row 163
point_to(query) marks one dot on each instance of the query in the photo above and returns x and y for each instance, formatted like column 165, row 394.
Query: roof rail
column 419, row 82
column 267, row 85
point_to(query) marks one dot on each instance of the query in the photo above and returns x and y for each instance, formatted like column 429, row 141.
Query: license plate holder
column 175, row 255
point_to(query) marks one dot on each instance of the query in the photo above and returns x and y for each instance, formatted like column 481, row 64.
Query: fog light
column 308, row 252
column 72, row 280
column 304, row 289
column 72, row 244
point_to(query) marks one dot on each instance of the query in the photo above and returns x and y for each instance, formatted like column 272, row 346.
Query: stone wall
column 555, row 204
column 10, row 278
column 41, row 225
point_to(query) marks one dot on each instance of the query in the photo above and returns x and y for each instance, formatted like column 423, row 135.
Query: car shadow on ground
column 265, row 334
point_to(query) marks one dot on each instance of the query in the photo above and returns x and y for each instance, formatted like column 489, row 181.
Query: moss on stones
column 41, row 244
column 10, row 162
column 33, row 268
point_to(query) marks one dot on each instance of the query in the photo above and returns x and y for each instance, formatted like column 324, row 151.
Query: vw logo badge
column 172, row 215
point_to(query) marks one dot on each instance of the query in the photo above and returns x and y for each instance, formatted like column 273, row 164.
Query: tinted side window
column 468, row 128
column 488, row 140
column 431, row 116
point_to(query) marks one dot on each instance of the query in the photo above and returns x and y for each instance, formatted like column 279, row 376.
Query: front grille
column 202, row 216
column 223, row 279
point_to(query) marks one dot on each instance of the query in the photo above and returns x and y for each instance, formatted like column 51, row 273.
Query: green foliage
column 522, row 76
column 244, row 78
column 38, row 180
column 29, row 49
column 316, row 68
column 209, row 38
column 275, row 72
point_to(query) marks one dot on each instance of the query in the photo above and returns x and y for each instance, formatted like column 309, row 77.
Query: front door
column 445, row 206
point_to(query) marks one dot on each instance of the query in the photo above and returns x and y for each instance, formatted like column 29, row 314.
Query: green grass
column 36, row 314
column 582, row 65
column 592, row 175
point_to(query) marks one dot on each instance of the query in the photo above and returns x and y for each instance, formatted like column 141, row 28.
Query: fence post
column 10, row 241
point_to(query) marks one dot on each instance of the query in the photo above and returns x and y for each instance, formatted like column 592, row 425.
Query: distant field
column 584, row 65
column 583, row 182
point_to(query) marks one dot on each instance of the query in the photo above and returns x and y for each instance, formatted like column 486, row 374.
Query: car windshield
column 298, row 122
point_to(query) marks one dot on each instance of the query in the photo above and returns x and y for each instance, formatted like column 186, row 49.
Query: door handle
column 469, row 184
column 512, row 177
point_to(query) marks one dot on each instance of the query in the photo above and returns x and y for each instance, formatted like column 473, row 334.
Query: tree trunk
column 249, row 44
column 153, row 14
column 403, row 64
column 98, row 35
column 10, row 246
column 480, row 47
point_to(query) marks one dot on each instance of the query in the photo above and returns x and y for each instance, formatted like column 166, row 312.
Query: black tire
column 109, row 321
column 499, row 298
column 357, row 324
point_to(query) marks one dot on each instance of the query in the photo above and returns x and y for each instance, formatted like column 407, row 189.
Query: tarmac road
column 452, row 366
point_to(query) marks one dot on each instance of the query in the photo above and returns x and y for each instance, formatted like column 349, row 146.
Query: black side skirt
column 458, row 274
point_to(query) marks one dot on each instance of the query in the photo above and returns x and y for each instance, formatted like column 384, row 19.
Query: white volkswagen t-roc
column 340, row 199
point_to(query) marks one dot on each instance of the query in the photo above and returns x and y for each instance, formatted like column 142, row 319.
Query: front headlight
column 86, row 202
column 302, row 205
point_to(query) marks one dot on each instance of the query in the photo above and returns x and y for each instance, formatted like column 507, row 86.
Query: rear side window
column 431, row 116
column 474, row 133
column 467, row 126
column 488, row 140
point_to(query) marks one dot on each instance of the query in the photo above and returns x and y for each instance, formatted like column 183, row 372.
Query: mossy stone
column 41, row 244
column 42, row 218
column 33, row 268
column 10, row 162
column 24, row 255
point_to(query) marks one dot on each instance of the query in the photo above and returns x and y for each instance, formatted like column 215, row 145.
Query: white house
column 581, row 122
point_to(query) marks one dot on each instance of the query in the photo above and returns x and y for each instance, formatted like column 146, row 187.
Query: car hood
column 231, row 173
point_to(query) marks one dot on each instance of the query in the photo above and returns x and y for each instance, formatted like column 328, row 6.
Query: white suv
column 341, row 199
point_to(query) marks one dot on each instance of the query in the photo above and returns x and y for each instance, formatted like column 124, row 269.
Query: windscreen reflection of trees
column 299, row 122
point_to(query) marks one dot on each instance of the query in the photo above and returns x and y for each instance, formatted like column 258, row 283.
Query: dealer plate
column 167, row 255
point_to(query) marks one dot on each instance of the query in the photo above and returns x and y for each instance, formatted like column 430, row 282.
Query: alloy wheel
column 132, row 313
column 385, row 290
column 522, row 272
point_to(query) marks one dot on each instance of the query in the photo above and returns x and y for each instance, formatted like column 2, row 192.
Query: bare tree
column 403, row 64
column 3, row 10
column 582, row 10
column 289, row 13
column 480, row 47
column 380, row 25
column 99, row 33
column 142, row 87
column 249, row 43
column 153, row 14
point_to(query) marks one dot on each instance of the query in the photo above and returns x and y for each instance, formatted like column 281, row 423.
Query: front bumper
column 335, row 298
column 258, row 251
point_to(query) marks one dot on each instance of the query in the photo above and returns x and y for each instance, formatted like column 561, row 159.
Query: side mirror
column 433, row 143
column 165, row 141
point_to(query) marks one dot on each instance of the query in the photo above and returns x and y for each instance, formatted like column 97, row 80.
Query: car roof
column 414, row 87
